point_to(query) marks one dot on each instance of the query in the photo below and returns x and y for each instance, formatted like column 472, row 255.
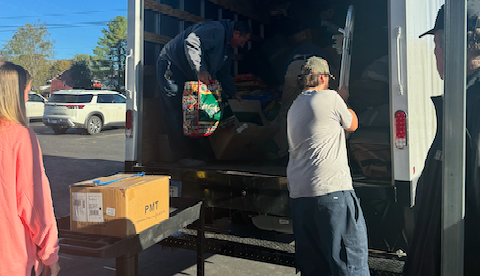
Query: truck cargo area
column 278, row 28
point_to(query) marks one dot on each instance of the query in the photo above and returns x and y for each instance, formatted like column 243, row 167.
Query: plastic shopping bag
column 202, row 111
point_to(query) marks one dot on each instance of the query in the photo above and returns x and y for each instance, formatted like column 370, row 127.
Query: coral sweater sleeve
column 34, row 200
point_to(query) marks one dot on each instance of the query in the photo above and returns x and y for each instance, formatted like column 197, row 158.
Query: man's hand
column 204, row 77
column 343, row 92
column 238, row 97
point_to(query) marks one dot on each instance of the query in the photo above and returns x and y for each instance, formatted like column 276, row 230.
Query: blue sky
column 75, row 38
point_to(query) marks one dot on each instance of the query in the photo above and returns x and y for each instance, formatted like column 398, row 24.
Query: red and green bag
column 201, row 108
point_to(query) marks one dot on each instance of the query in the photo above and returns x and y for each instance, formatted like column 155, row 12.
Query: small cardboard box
column 120, row 205
column 247, row 139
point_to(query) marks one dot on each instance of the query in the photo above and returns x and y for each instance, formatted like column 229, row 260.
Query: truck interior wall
column 193, row 7
column 151, row 117
column 211, row 10
column 175, row 4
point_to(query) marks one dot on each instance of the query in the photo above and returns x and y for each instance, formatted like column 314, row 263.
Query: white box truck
column 393, row 76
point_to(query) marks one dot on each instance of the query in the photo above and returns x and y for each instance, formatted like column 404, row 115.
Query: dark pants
column 171, row 81
column 330, row 235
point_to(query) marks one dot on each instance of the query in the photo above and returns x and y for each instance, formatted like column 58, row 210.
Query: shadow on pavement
column 64, row 171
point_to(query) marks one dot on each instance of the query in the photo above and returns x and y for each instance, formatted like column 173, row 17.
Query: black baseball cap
column 473, row 13
column 439, row 22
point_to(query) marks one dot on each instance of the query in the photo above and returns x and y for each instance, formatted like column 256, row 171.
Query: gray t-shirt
column 318, row 162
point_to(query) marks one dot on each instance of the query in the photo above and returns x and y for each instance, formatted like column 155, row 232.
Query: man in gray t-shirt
column 328, row 224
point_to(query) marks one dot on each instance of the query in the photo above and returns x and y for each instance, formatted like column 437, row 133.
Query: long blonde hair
column 13, row 82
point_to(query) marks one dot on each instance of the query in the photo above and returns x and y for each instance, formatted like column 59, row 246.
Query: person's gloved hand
column 204, row 77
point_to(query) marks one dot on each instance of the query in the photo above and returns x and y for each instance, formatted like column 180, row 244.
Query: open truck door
column 134, row 67
column 344, row 80
column 413, row 80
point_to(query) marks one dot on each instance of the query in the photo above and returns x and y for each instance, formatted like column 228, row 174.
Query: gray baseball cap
column 315, row 65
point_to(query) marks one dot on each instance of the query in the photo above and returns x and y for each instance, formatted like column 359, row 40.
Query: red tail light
column 75, row 106
column 400, row 129
column 128, row 123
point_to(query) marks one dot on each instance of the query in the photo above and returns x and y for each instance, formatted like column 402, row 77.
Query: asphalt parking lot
column 76, row 156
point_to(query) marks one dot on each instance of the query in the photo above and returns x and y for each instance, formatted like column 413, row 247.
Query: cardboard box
column 247, row 139
column 124, row 206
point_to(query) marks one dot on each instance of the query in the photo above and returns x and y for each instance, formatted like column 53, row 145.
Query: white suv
column 88, row 109
column 35, row 106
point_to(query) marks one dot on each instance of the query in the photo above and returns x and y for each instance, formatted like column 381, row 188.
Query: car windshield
column 66, row 98
column 34, row 98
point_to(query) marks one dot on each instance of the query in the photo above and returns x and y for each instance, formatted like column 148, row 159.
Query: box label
column 94, row 204
column 79, row 205
column 110, row 211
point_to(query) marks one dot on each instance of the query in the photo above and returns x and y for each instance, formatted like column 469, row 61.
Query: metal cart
column 183, row 212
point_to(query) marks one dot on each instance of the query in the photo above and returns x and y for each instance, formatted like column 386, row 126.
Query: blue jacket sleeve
column 202, row 40
column 225, row 78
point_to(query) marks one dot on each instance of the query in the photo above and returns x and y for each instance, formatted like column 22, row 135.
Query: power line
column 57, row 14
column 62, row 26
column 69, row 24
column 76, row 48
column 65, row 25
column 69, row 27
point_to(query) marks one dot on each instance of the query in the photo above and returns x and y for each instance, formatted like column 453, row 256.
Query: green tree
column 116, row 31
column 99, row 68
column 81, row 76
column 83, row 57
column 111, row 52
column 30, row 47
column 59, row 66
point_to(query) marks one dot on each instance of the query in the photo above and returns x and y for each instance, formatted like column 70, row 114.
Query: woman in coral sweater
column 28, row 229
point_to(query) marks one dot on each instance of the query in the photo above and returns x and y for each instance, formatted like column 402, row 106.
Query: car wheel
column 59, row 130
column 94, row 125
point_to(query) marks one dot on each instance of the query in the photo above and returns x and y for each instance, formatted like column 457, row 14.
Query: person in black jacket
column 424, row 254
column 200, row 52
